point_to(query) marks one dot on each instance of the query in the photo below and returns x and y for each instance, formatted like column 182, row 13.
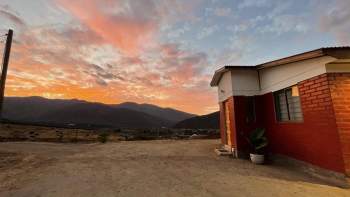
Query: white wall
column 338, row 66
column 245, row 82
column 225, row 86
column 279, row 77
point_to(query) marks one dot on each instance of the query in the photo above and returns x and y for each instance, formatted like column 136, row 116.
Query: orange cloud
column 127, row 32
column 72, row 61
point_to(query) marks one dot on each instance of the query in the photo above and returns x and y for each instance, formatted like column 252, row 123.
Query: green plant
column 257, row 140
column 103, row 137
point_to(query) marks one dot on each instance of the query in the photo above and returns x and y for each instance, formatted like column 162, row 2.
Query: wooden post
column 5, row 64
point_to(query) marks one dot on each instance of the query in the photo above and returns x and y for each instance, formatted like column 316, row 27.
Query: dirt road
column 144, row 168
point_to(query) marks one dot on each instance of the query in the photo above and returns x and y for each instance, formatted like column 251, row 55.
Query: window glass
column 287, row 103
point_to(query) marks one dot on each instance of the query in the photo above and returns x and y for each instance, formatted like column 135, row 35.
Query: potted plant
column 258, row 142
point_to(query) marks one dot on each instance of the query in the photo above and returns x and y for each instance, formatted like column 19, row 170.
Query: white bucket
column 257, row 159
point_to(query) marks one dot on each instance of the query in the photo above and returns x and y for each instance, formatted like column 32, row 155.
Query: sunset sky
column 162, row 52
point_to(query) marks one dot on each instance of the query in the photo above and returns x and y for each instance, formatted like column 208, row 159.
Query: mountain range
column 209, row 121
column 68, row 112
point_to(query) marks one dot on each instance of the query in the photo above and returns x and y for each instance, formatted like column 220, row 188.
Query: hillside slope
column 59, row 111
column 209, row 121
column 169, row 114
column 99, row 114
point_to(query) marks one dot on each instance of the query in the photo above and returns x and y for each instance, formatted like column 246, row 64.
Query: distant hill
column 169, row 114
column 209, row 121
column 60, row 111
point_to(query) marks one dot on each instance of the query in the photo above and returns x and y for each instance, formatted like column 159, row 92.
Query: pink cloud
column 334, row 18
column 127, row 30
column 12, row 17
column 56, row 61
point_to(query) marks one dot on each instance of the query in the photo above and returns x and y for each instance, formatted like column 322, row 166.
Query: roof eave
column 218, row 73
column 295, row 58
column 217, row 76
column 336, row 52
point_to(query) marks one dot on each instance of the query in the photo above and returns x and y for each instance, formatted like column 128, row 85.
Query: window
column 250, row 110
column 287, row 104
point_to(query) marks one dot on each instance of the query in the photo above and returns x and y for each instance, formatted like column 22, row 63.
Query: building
column 303, row 102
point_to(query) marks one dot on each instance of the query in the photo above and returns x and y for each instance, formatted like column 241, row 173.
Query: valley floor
column 144, row 168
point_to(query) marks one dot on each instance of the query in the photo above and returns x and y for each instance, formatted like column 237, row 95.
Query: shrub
column 258, row 140
column 103, row 137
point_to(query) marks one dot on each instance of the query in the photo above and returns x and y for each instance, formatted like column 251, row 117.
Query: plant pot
column 257, row 159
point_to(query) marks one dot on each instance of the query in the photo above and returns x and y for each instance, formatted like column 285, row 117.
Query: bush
column 103, row 137
column 258, row 140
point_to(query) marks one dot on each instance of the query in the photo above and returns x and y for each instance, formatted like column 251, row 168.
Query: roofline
column 293, row 58
column 218, row 73
column 336, row 52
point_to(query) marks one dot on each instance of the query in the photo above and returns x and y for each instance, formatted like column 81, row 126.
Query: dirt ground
column 145, row 168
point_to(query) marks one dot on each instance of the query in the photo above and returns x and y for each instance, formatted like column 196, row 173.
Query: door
column 228, row 124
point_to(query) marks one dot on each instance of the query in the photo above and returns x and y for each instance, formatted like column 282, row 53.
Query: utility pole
column 5, row 63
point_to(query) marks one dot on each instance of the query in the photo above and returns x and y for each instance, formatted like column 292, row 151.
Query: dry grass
column 13, row 132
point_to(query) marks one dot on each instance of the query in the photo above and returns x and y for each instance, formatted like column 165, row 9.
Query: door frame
column 228, row 132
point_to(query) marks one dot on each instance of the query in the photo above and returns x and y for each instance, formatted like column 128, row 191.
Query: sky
column 162, row 52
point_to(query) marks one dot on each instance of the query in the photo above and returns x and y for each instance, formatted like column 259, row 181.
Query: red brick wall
column 340, row 92
column 315, row 139
column 322, row 138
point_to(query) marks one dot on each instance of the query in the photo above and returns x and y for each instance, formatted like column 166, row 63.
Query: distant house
column 303, row 102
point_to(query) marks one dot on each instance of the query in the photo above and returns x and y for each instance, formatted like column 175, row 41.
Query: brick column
column 340, row 91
